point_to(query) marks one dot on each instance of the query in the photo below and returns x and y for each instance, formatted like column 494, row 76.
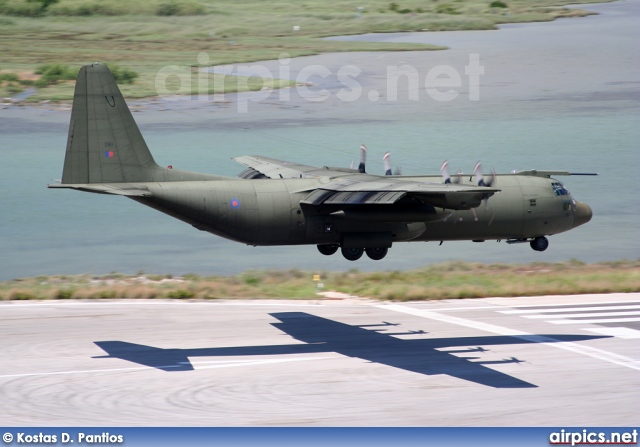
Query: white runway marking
column 442, row 309
column 200, row 365
column 629, row 298
column 596, row 321
column 85, row 371
column 620, row 332
column 575, row 308
column 232, row 363
column 567, row 346
column 587, row 314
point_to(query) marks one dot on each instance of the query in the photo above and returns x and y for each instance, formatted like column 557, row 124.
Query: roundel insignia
column 235, row 203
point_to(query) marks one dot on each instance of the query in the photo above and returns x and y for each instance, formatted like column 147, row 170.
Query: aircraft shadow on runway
column 428, row 356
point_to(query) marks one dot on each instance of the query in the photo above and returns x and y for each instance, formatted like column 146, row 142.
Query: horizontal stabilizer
column 120, row 189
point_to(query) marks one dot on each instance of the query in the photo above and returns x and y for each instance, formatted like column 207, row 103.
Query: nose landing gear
column 328, row 250
column 539, row 243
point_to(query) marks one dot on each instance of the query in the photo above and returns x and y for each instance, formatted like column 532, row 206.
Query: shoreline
column 63, row 104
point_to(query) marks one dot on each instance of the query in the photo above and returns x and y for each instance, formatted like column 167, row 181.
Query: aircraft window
column 559, row 189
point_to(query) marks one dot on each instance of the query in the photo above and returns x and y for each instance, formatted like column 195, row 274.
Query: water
column 579, row 123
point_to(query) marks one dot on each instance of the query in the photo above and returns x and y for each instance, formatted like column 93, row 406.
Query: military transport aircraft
column 274, row 202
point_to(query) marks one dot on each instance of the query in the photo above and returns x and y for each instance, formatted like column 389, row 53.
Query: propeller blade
column 494, row 178
column 447, row 177
column 363, row 159
column 482, row 181
column 387, row 163
column 477, row 171
column 444, row 170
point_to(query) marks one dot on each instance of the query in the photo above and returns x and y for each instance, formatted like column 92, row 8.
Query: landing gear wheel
column 352, row 254
column 377, row 253
column 539, row 243
column 328, row 250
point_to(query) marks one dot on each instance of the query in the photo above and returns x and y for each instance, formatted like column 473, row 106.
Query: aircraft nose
column 582, row 215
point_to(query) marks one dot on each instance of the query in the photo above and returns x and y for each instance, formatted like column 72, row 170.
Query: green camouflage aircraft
column 273, row 202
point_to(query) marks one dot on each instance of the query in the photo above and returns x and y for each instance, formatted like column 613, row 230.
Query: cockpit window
column 559, row 189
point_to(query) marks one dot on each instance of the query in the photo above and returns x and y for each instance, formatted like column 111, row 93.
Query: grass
column 433, row 282
column 144, row 36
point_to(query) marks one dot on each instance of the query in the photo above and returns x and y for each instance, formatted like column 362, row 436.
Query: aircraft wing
column 347, row 187
column 272, row 168
column 350, row 190
column 549, row 174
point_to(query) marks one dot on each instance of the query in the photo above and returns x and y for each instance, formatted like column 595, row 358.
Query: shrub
column 13, row 89
column 177, row 8
column 446, row 9
column 22, row 295
column 104, row 294
column 122, row 75
column 10, row 77
column 167, row 9
column 396, row 8
column 20, row 8
column 63, row 294
column 498, row 4
column 124, row 7
column 54, row 73
column 251, row 280
column 180, row 294
column 44, row 4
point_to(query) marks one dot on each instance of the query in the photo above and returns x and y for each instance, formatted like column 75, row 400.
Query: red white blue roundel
column 235, row 203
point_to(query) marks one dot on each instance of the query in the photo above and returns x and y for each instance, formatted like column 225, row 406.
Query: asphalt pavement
column 534, row 361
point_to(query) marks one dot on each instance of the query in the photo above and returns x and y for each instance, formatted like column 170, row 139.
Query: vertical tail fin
column 104, row 143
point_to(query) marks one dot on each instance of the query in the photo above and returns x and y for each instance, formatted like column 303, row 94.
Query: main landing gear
column 353, row 254
column 377, row 253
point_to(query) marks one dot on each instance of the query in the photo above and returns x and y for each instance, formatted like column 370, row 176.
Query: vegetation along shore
column 437, row 281
column 46, row 41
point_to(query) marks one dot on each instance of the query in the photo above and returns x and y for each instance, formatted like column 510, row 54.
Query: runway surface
column 537, row 361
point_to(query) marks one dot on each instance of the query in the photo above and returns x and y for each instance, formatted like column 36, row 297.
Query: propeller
column 477, row 171
column 386, row 159
column 446, row 176
column 363, row 159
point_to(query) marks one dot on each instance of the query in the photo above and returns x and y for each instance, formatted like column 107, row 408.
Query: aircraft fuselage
column 268, row 212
